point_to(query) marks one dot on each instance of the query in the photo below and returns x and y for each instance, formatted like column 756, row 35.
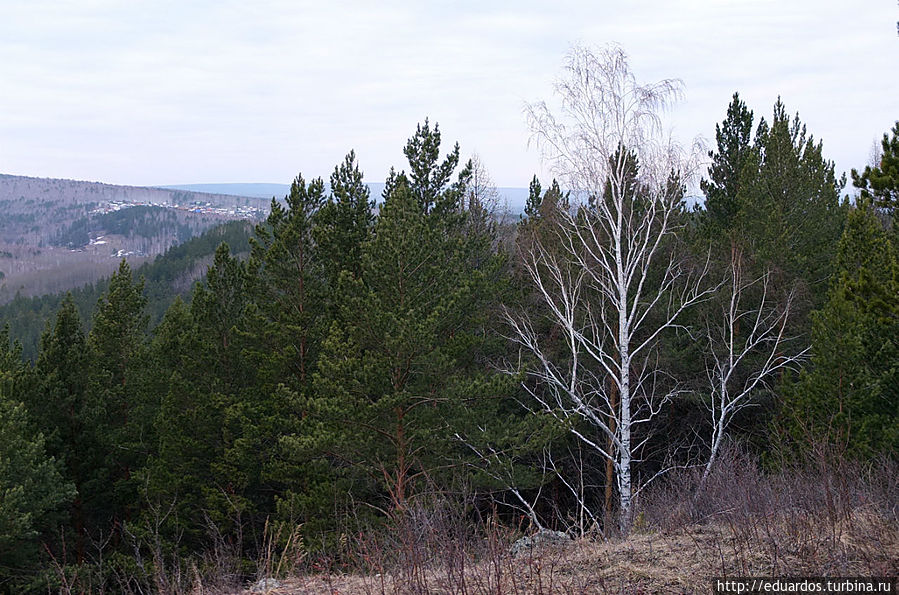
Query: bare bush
column 834, row 519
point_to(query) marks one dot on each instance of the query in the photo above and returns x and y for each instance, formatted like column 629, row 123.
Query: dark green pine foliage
column 292, row 305
column 554, row 199
column 881, row 182
column 428, row 180
column 60, row 405
column 13, row 372
column 218, row 307
column 790, row 216
column 850, row 396
column 624, row 181
column 538, row 232
column 231, row 385
column 775, row 198
column 402, row 359
column 183, row 478
column 541, row 211
column 534, row 200
column 120, row 406
column 733, row 139
column 296, row 264
column 119, row 327
column 344, row 222
column 206, row 466
column 287, row 287
column 394, row 179
column 63, row 367
column 32, row 490
column 215, row 418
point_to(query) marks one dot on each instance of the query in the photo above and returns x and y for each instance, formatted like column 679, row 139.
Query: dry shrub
column 833, row 517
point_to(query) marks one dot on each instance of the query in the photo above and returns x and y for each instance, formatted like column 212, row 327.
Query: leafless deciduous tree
column 482, row 200
column 481, row 191
column 747, row 345
column 608, row 280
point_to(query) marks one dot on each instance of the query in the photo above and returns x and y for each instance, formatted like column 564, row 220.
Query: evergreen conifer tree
column 61, row 406
column 121, row 410
column 344, row 222
column 850, row 396
column 402, row 357
column 788, row 200
column 880, row 182
column 733, row 139
column 287, row 287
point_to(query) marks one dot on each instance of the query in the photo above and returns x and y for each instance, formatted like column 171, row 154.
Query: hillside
column 60, row 234
column 167, row 276
column 514, row 198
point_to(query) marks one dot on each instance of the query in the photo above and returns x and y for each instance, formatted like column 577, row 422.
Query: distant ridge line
column 121, row 187
column 516, row 197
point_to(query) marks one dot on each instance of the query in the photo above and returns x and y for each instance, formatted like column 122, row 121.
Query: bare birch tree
column 610, row 284
column 483, row 201
column 747, row 345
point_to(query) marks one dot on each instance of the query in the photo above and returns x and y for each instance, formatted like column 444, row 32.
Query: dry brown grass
column 831, row 519
column 677, row 561
column 837, row 520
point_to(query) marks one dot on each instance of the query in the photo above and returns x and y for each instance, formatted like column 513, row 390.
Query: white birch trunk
column 609, row 257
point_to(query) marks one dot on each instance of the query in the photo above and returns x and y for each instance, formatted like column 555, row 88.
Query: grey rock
column 539, row 540
column 264, row 585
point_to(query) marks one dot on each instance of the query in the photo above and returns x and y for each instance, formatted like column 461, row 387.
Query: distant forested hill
column 60, row 234
column 169, row 275
column 513, row 197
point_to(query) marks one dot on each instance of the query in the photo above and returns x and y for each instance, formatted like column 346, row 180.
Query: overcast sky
column 176, row 92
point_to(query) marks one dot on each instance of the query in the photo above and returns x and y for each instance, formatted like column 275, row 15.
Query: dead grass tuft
column 840, row 520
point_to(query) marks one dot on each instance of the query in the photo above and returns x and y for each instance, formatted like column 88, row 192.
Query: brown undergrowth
column 830, row 518
column 679, row 561
column 835, row 519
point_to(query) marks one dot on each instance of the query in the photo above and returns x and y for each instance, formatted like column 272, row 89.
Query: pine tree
column 881, row 182
column 542, row 212
column 734, row 144
column 287, row 287
column 428, row 179
column 211, row 394
column 61, row 407
column 535, row 198
column 188, row 427
column 291, row 306
column 62, row 367
column 851, row 394
column 239, row 349
column 120, row 407
column 119, row 326
column 218, row 307
column 15, row 378
column 33, row 491
column 344, row 222
column 789, row 212
column 396, row 366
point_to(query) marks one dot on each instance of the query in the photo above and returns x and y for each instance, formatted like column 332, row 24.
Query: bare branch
column 745, row 347
column 608, row 281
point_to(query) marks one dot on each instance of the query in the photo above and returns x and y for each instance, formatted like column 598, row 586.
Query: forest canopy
column 346, row 361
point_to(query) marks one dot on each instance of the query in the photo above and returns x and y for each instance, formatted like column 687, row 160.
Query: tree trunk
column 610, row 464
